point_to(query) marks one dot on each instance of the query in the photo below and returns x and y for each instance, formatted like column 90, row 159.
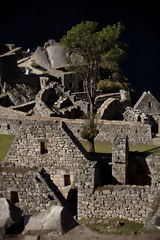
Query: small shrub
column 34, row 65
column 108, row 86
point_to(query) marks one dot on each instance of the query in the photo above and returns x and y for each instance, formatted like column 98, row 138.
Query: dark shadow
column 150, row 150
column 67, row 221
column 75, row 140
column 16, row 216
column 72, row 199
column 26, row 219
column 104, row 161
column 137, row 170
column 53, row 187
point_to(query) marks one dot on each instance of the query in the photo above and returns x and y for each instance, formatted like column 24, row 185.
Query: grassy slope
column 5, row 143
column 106, row 147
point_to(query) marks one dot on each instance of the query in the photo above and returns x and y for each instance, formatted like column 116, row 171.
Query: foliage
column 89, row 128
column 34, row 65
column 89, row 50
column 5, row 144
column 108, row 86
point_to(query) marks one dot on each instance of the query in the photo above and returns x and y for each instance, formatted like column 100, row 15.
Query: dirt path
column 83, row 233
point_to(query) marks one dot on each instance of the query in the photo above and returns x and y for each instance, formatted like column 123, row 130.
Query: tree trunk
column 91, row 108
column 91, row 145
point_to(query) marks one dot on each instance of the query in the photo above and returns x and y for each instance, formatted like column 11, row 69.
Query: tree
column 89, row 130
column 89, row 50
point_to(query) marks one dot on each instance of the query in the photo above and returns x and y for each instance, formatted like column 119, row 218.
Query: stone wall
column 148, row 104
column 136, row 132
column 153, row 162
column 49, row 144
column 46, row 144
column 128, row 202
column 9, row 126
column 120, row 153
column 112, row 201
column 28, row 190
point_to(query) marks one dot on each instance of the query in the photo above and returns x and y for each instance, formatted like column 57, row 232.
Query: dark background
column 31, row 23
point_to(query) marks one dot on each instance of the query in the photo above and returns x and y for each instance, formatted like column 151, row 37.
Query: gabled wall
column 148, row 104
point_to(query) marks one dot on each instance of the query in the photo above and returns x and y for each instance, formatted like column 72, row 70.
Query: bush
column 89, row 128
column 34, row 65
column 107, row 86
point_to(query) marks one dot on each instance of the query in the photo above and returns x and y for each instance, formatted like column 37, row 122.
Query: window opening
column 14, row 197
column 43, row 147
column 149, row 104
column 67, row 180
column 8, row 126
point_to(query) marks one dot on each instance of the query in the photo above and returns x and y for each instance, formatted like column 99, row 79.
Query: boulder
column 56, row 219
column 41, row 58
column 9, row 213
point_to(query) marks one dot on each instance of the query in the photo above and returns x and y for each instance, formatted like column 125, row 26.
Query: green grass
column 113, row 226
column 106, row 147
column 5, row 143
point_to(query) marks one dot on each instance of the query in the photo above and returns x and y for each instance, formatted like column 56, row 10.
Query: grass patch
column 113, row 226
column 5, row 144
column 102, row 147
column 34, row 65
column 106, row 147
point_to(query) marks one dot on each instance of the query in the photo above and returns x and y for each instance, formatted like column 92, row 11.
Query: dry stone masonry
column 120, row 153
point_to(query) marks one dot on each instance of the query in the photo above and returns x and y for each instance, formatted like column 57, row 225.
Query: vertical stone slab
column 120, row 153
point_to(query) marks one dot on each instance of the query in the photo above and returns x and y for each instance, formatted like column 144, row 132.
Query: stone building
column 47, row 161
column 148, row 104
column 41, row 148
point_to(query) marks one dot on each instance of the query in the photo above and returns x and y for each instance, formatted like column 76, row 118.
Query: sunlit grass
column 5, row 144
column 106, row 147
column 113, row 226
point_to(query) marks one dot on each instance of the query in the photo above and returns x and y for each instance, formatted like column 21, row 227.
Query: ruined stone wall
column 112, row 201
column 9, row 126
column 148, row 104
column 136, row 132
column 153, row 162
column 120, row 153
column 46, row 144
column 33, row 194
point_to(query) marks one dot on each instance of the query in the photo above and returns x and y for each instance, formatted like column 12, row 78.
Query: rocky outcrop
column 56, row 219
column 52, row 55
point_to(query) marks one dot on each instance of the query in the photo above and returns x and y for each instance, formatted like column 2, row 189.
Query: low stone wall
column 111, row 201
column 136, row 132
column 128, row 202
